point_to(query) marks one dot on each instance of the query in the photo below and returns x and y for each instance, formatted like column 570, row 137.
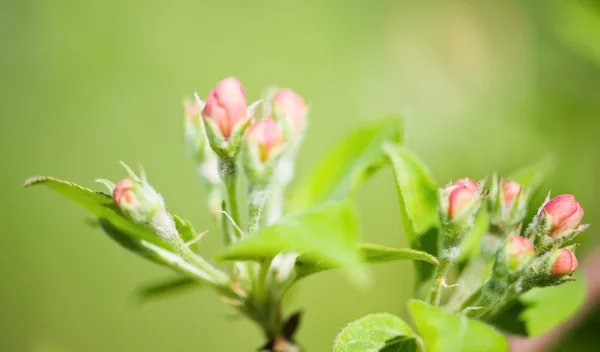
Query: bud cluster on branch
column 513, row 263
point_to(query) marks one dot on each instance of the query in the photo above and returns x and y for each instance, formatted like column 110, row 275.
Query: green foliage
column 445, row 331
column 541, row 309
column 348, row 164
column 374, row 333
column 327, row 233
column 417, row 193
column 370, row 254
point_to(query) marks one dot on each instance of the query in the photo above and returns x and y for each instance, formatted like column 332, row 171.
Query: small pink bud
column 226, row 105
column 520, row 250
column 460, row 193
column 266, row 134
column 564, row 212
column 288, row 103
column 565, row 263
column 510, row 189
column 122, row 192
column 520, row 245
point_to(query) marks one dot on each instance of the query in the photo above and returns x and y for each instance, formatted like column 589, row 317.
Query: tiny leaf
column 348, row 164
column 445, row 331
column 374, row 333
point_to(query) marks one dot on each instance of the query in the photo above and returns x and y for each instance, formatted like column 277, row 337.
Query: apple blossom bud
column 511, row 189
column 226, row 105
column 564, row 264
column 291, row 106
column 266, row 135
column 507, row 205
column 122, row 192
column 139, row 202
column 563, row 213
column 459, row 202
column 520, row 252
column 460, row 194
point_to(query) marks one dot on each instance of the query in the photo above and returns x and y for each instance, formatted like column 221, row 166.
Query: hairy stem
column 436, row 290
column 216, row 277
column 228, row 172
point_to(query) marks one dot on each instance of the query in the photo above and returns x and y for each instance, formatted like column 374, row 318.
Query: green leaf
column 374, row 333
column 370, row 253
column 534, row 175
column 101, row 205
column 445, row 331
column 348, row 164
column 134, row 237
column 417, row 193
column 165, row 288
column 541, row 309
column 327, row 233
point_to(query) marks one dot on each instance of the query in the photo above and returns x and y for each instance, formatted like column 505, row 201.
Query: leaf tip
column 34, row 180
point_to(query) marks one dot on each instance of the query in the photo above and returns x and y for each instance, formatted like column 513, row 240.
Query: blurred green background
column 486, row 86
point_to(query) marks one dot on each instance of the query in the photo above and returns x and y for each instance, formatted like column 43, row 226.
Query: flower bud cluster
column 538, row 260
column 557, row 222
column 230, row 125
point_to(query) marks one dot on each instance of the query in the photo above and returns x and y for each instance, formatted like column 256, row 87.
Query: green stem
column 449, row 255
column 228, row 171
column 217, row 278
column 436, row 290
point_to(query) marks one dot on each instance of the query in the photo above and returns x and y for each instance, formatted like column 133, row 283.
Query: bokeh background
column 486, row 86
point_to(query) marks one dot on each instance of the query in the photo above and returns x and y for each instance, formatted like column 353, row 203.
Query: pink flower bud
column 520, row 250
column 460, row 194
column 290, row 104
column 226, row 105
column 520, row 245
column 122, row 192
column 564, row 213
column 266, row 135
column 510, row 189
column 565, row 263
